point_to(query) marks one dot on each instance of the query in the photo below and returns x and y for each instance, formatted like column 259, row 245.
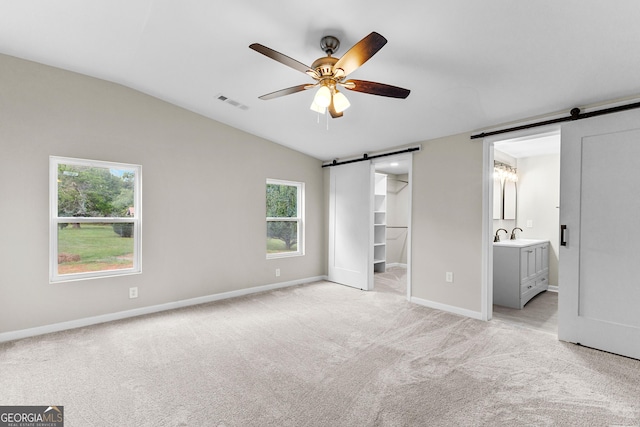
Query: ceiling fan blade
column 374, row 88
column 283, row 59
column 360, row 53
column 287, row 91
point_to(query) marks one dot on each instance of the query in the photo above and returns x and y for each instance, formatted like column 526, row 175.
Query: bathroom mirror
column 509, row 200
column 497, row 198
column 504, row 191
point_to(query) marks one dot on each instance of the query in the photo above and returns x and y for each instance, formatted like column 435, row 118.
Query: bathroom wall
column 538, row 204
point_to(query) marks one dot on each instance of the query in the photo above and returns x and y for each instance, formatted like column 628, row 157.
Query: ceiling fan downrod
column 329, row 45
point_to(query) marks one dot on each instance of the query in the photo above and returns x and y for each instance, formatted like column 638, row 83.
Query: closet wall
column 397, row 219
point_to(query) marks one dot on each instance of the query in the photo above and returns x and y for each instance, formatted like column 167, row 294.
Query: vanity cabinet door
column 538, row 254
column 527, row 263
column 545, row 257
column 542, row 258
column 532, row 270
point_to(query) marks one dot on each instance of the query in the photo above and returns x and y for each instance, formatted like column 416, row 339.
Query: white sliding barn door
column 351, row 225
column 599, row 283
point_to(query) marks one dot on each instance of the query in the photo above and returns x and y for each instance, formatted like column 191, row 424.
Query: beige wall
column 447, row 222
column 203, row 196
column 203, row 200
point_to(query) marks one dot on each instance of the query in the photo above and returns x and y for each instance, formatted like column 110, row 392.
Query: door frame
column 487, row 210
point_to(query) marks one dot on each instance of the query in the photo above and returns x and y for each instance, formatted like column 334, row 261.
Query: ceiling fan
column 330, row 73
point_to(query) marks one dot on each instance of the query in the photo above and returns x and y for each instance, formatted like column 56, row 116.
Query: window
column 95, row 219
column 285, row 213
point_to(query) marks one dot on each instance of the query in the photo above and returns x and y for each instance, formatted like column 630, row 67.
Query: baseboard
column 553, row 288
column 449, row 308
column 94, row 320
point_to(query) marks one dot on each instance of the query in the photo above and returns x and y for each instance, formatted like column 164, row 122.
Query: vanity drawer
column 532, row 288
column 527, row 286
column 543, row 282
column 530, row 293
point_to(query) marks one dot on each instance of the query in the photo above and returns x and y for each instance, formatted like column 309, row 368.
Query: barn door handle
column 563, row 237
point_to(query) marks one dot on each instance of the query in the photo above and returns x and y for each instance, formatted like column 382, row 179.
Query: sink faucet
column 497, row 238
column 513, row 233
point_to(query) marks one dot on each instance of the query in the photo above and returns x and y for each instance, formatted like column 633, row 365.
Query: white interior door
column 351, row 225
column 599, row 298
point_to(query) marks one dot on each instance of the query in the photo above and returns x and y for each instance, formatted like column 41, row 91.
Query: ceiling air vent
column 231, row 102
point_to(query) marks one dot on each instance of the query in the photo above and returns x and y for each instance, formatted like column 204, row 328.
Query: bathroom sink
column 518, row 242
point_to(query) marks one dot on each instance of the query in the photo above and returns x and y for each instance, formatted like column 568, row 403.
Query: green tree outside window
column 283, row 211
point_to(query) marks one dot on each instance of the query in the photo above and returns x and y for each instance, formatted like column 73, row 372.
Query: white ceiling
column 393, row 166
column 469, row 64
column 532, row 146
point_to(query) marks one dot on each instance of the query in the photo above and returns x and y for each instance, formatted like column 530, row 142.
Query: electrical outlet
column 133, row 292
column 529, row 223
column 448, row 277
column 277, row 272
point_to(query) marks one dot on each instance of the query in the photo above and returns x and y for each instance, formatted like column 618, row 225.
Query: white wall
column 539, row 201
column 204, row 228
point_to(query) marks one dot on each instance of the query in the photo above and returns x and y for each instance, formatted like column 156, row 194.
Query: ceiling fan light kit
column 340, row 102
column 323, row 97
column 330, row 72
column 318, row 109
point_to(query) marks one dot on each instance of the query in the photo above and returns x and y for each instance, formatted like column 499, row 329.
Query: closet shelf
column 380, row 219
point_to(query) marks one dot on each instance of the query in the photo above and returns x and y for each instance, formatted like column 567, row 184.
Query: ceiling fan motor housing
column 324, row 66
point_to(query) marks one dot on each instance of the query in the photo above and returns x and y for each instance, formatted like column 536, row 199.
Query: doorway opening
column 392, row 219
column 359, row 194
column 524, row 215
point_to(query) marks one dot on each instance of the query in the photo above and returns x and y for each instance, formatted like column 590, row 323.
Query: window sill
column 284, row 255
column 82, row 277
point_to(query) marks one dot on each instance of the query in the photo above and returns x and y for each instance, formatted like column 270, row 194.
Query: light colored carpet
column 318, row 355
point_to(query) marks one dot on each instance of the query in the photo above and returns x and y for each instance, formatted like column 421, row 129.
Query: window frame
column 299, row 218
column 55, row 220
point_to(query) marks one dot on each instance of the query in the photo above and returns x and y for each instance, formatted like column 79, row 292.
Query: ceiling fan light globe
column 323, row 97
column 340, row 102
column 318, row 109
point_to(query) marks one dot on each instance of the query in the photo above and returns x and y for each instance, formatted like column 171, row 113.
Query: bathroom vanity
column 520, row 271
